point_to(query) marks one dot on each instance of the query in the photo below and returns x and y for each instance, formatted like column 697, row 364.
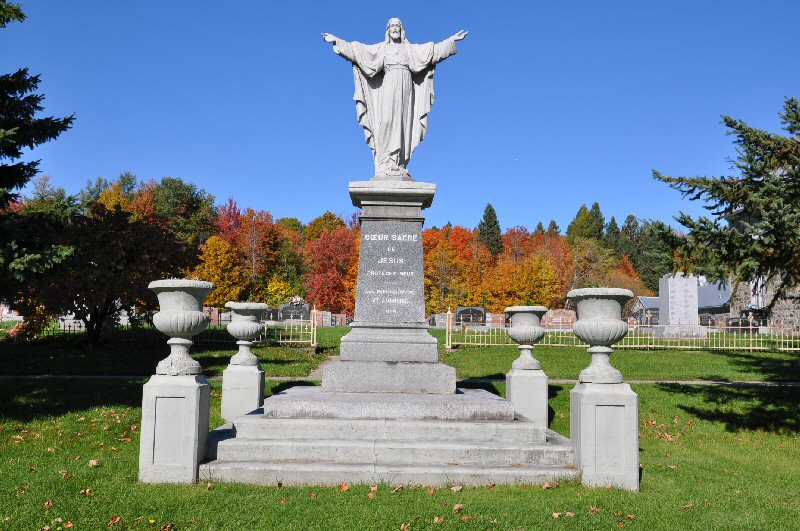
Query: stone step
column 473, row 405
column 271, row 473
column 403, row 452
column 256, row 426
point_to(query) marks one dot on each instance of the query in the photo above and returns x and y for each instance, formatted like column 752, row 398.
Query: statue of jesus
column 394, row 93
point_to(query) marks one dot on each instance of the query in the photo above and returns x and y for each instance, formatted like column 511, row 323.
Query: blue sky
column 546, row 106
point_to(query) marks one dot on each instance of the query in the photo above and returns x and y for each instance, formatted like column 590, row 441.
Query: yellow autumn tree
column 278, row 291
column 525, row 282
column 221, row 264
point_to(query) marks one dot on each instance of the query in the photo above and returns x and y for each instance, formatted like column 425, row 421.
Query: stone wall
column 786, row 311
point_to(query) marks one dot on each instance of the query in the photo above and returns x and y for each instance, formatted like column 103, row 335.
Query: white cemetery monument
column 390, row 411
column 678, row 314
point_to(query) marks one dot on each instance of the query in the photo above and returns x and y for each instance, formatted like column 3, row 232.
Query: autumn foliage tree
column 332, row 260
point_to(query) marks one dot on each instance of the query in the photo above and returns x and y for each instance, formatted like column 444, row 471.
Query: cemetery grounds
column 713, row 456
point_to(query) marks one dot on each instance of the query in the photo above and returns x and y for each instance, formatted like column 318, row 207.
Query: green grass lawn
column 70, row 354
column 567, row 362
column 712, row 458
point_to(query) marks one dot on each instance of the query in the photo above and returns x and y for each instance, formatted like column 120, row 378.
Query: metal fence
column 298, row 333
column 747, row 336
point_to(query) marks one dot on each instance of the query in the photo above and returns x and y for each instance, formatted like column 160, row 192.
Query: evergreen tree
column 489, row 231
column 654, row 256
column 612, row 235
column 553, row 229
column 755, row 232
column 19, row 129
column 587, row 224
column 629, row 237
column 539, row 229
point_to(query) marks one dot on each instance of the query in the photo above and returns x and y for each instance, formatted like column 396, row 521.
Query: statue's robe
column 394, row 94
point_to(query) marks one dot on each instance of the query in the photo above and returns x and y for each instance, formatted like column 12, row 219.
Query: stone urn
column 526, row 329
column 245, row 326
column 600, row 325
column 180, row 317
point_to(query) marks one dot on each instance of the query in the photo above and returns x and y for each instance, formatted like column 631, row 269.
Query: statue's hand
column 327, row 37
column 460, row 35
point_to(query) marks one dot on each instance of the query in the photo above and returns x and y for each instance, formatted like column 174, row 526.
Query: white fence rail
column 776, row 337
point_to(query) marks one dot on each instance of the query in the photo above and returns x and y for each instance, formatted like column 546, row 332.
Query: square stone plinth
column 604, row 426
column 527, row 391
column 312, row 402
column 242, row 390
column 175, row 422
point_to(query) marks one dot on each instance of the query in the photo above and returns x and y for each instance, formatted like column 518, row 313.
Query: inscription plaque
column 390, row 276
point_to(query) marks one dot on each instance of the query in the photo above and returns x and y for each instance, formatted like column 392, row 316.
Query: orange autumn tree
column 257, row 239
column 444, row 284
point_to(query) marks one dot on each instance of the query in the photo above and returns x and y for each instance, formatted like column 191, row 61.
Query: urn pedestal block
column 243, row 380
column 604, row 411
column 176, row 400
column 175, row 424
column 526, row 383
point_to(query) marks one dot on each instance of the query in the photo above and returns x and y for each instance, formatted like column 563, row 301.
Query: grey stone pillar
column 389, row 349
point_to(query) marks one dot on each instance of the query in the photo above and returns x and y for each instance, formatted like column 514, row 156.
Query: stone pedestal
column 175, row 424
column 242, row 390
column 527, row 392
column 389, row 349
column 604, row 428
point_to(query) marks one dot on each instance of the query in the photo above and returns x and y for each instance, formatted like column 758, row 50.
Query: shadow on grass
column 777, row 367
column 28, row 399
column 744, row 407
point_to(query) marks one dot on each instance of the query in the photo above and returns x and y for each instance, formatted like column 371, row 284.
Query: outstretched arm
column 340, row 46
column 446, row 48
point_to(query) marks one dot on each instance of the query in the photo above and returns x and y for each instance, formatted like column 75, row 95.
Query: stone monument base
column 313, row 402
column 175, row 422
column 388, row 377
column 680, row 331
column 306, row 437
column 604, row 426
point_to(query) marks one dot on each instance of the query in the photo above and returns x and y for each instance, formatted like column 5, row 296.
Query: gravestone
column 272, row 314
column 678, row 308
column 470, row 315
column 294, row 311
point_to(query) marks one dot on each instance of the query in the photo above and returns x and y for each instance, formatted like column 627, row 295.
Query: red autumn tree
column 330, row 259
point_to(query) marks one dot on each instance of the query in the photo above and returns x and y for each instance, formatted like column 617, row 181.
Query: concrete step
column 397, row 452
column 256, row 426
column 271, row 473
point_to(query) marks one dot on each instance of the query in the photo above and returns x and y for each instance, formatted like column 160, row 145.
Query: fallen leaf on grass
column 114, row 521
column 88, row 492
column 689, row 505
column 283, row 501
column 65, row 475
column 397, row 488
column 430, row 490
column 93, row 463
column 69, row 525
column 466, row 518
column 438, row 519
column 593, row 510
column 631, row 516
column 458, row 507
column 371, row 495
column 672, row 467
column 620, row 524
column 51, row 449
column 556, row 515
column 618, row 513
column 167, row 527
column 8, row 518
column 209, row 486
column 456, row 488
column 569, row 514
column 313, row 496
column 344, row 487
column 31, row 468
column 405, row 527
column 48, row 504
